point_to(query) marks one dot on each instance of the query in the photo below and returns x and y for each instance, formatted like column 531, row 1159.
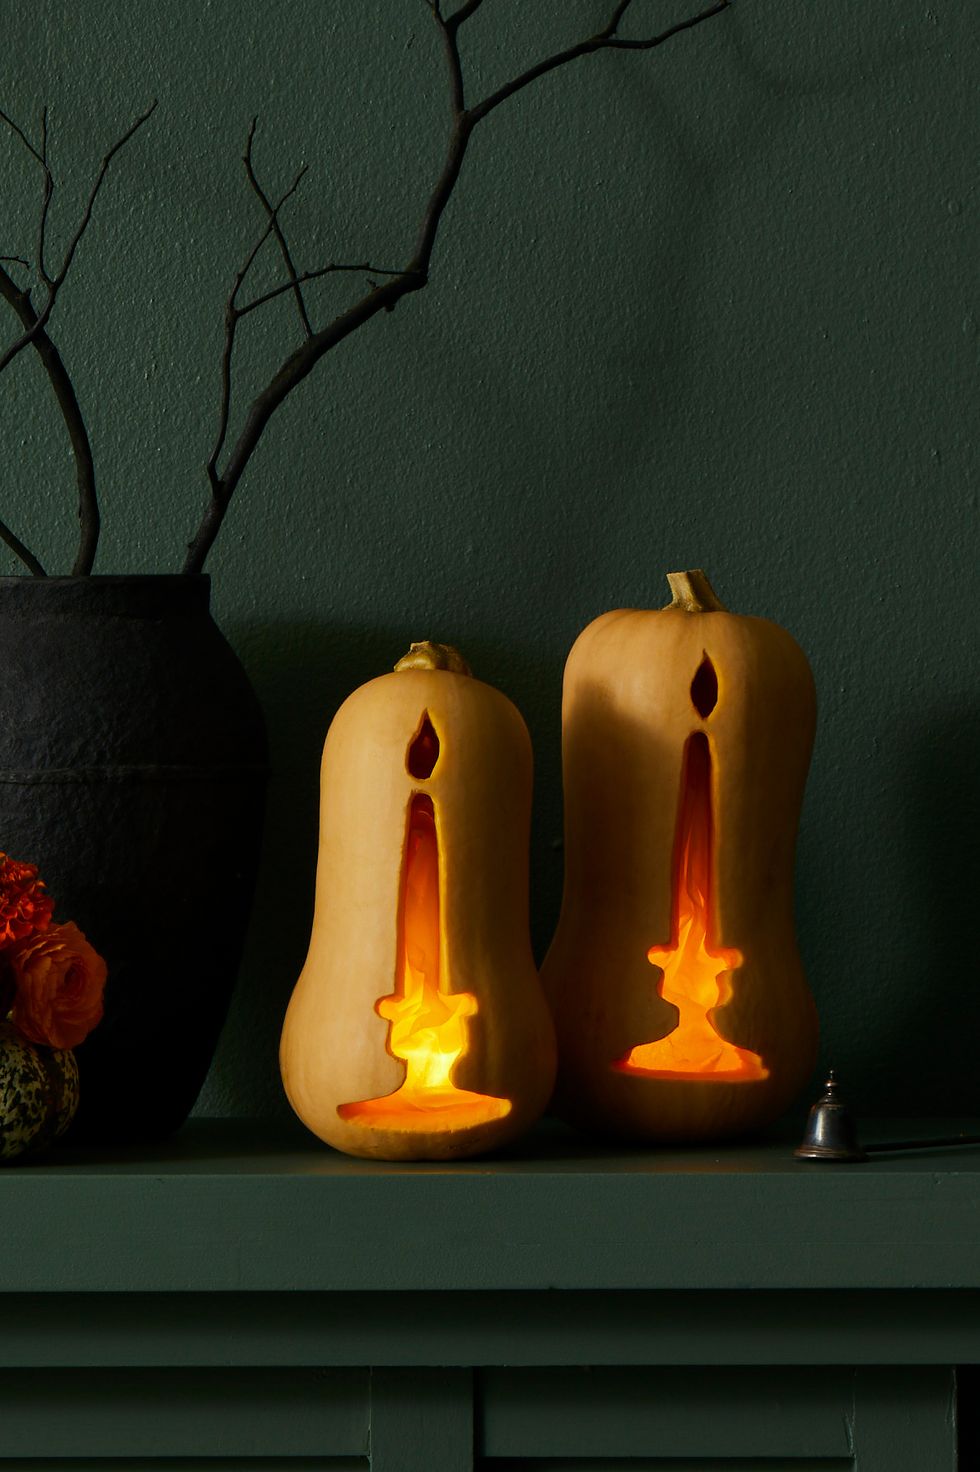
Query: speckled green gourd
column 38, row 1093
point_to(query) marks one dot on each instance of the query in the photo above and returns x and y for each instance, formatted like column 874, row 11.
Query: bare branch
column 448, row 29
column 45, row 204
column 34, row 323
column 270, row 227
column 448, row 26
column 617, row 43
column 94, row 192
column 26, row 338
column 40, row 156
column 232, row 314
column 55, row 283
column 224, row 409
column 16, row 128
column 617, row 16
column 415, row 275
column 15, row 261
column 463, row 14
column 291, row 373
column 604, row 40
column 278, row 232
column 88, row 505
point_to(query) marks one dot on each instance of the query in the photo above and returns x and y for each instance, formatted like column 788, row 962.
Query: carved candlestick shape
column 694, row 974
column 674, row 978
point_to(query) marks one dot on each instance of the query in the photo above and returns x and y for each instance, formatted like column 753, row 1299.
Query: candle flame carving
column 427, row 1024
column 694, row 977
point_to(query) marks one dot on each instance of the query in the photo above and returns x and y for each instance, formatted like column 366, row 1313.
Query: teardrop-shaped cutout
column 704, row 688
column 423, row 753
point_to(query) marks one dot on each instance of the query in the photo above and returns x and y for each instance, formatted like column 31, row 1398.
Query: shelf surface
column 239, row 1206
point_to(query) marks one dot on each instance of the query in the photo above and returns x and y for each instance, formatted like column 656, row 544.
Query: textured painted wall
column 713, row 306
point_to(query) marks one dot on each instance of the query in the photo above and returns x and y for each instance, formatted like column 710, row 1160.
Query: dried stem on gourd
column 692, row 592
column 428, row 655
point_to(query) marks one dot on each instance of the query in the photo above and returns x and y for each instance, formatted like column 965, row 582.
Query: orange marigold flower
column 59, row 979
column 25, row 905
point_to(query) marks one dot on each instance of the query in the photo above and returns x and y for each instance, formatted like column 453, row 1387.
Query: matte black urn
column 133, row 766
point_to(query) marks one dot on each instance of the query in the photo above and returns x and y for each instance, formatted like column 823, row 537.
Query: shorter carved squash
column 418, row 1028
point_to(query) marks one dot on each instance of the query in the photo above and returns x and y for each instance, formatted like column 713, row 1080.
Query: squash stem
column 693, row 593
column 430, row 656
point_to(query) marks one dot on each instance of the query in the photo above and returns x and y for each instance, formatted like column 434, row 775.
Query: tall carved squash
column 418, row 1028
column 674, row 978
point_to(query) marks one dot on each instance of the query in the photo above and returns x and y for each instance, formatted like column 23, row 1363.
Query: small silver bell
column 830, row 1132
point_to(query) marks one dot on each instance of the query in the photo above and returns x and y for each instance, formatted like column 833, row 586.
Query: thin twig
column 269, row 229
column 464, row 12
column 617, row 16
column 294, row 282
column 604, row 40
column 16, row 128
column 46, row 198
column 24, row 553
column 55, row 283
column 35, row 322
column 88, row 505
column 619, row 43
column 457, row 94
column 224, row 409
column 232, row 314
column 94, row 192
column 26, row 338
column 364, row 269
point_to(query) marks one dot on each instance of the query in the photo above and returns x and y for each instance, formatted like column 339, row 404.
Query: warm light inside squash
column 694, row 971
column 427, row 1024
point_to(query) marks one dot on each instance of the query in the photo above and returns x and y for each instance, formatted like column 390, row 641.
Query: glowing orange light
column 428, row 1025
column 694, row 972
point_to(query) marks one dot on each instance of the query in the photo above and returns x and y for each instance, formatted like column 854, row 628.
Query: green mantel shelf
column 234, row 1205
column 246, row 1300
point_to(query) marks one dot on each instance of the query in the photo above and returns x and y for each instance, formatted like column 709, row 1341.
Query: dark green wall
column 710, row 306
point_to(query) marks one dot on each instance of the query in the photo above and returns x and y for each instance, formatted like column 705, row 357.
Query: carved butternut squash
column 418, row 1028
column 674, row 978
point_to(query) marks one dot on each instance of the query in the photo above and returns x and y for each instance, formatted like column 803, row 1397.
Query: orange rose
column 60, row 980
column 24, row 906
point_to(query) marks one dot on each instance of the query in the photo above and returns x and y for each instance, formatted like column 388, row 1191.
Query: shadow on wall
column 302, row 672
column 911, row 891
column 847, row 58
column 941, row 981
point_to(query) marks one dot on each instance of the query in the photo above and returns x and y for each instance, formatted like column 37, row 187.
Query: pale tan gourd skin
column 626, row 716
column 333, row 1050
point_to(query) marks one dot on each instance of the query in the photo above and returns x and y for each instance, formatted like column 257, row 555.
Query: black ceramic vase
column 132, row 771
